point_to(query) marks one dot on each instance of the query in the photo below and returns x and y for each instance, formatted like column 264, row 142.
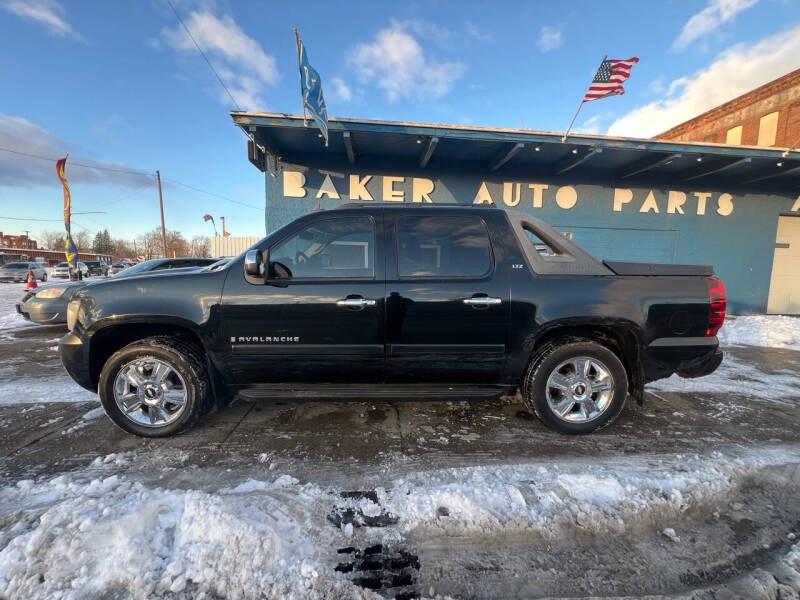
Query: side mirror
column 254, row 264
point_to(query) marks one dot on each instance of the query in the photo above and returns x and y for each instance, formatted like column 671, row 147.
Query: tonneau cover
column 658, row 269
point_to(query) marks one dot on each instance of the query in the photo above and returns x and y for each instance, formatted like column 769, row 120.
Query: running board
column 387, row 391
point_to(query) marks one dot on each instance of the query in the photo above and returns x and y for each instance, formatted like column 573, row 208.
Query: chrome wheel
column 150, row 392
column 580, row 389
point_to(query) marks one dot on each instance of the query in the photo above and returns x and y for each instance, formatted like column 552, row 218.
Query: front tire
column 576, row 386
column 44, row 277
column 155, row 387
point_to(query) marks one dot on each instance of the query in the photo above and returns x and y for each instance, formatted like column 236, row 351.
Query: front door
column 446, row 305
column 321, row 317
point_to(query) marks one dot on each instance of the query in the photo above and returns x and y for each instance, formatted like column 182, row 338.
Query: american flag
column 609, row 78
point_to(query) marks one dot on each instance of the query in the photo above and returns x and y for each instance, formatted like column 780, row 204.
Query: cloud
column 550, row 38
column 734, row 72
column 710, row 18
column 240, row 60
column 473, row 31
column 48, row 13
column 396, row 63
column 341, row 90
column 24, row 137
column 590, row 126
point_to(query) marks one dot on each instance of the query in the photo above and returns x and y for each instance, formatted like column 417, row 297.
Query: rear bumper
column 690, row 356
column 703, row 369
column 74, row 356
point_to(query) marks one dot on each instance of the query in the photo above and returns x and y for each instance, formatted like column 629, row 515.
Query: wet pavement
column 374, row 441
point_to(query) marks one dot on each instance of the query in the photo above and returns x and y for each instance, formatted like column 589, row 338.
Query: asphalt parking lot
column 747, row 410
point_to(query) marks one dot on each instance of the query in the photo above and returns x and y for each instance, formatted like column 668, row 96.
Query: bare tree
column 83, row 241
column 200, row 246
column 52, row 240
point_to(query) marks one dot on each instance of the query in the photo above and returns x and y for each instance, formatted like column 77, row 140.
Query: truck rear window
column 442, row 247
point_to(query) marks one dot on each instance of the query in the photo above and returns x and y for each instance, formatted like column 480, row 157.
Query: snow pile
column 775, row 331
column 553, row 502
column 112, row 537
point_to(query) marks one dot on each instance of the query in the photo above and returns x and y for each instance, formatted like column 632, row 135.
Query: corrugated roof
column 604, row 159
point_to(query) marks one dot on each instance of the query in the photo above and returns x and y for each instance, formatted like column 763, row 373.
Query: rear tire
column 44, row 277
column 575, row 385
column 155, row 387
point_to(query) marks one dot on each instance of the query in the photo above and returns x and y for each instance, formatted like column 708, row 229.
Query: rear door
column 446, row 302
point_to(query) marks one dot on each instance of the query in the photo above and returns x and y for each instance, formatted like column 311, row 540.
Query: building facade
column 22, row 242
column 621, row 199
column 768, row 116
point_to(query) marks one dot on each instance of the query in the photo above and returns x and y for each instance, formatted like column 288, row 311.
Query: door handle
column 355, row 302
column 481, row 301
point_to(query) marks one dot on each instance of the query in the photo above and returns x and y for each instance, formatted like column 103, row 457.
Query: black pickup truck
column 375, row 301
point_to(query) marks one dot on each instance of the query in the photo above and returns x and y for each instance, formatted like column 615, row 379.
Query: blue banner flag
column 311, row 89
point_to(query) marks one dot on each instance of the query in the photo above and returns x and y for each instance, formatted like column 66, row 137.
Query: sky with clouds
column 120, row 86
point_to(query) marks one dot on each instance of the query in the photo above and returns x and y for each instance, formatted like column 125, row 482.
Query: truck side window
column 442, row 247
column 336, row 247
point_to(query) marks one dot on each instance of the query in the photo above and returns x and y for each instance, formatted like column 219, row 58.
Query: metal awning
column 361, row 143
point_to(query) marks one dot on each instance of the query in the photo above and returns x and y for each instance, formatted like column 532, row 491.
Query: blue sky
column 119, row 85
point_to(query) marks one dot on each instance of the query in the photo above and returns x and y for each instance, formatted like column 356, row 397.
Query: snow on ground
column 774, row 331
column 10, row 294
column 741, row 379
column 43, row 389
column 98, row 534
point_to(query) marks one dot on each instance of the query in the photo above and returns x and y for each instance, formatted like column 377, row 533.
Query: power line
column 76, row 164
column 139, row 188
column 186, row 185
column 203, row 54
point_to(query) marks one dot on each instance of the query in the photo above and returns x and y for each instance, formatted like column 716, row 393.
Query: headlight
column 72, row 313
column 52, row 292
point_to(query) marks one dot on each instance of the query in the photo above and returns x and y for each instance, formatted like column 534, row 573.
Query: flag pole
column 571, row 123
column 300, row 73
column 580, row 106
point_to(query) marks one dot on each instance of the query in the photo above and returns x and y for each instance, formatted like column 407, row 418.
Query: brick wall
column 782, row 95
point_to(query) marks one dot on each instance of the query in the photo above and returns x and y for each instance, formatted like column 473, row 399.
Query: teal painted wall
column 740, row 245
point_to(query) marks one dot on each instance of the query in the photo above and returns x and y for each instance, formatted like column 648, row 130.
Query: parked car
column 160, row 264
column 119, row 266
column 97, row 267
column 378, row 301
column 61, row 270
column 48, row 305
column 18, row 271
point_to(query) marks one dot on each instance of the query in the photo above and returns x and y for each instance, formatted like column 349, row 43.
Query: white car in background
column 61, row 270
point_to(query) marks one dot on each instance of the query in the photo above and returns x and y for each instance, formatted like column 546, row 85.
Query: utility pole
column 223, row 226
column 161, row 204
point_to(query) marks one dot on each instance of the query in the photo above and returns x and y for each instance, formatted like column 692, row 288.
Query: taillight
column 717, row 305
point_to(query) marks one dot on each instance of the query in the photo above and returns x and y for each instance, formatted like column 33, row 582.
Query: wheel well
column 621, row 340
column 110, row 339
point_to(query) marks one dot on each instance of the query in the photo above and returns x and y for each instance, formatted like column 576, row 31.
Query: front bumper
column 42, row 315
column 74, row 356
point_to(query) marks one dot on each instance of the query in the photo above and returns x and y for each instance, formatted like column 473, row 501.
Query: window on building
column 768, row 129
column 734, row 136
column 442, row 247
column 336, row 247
